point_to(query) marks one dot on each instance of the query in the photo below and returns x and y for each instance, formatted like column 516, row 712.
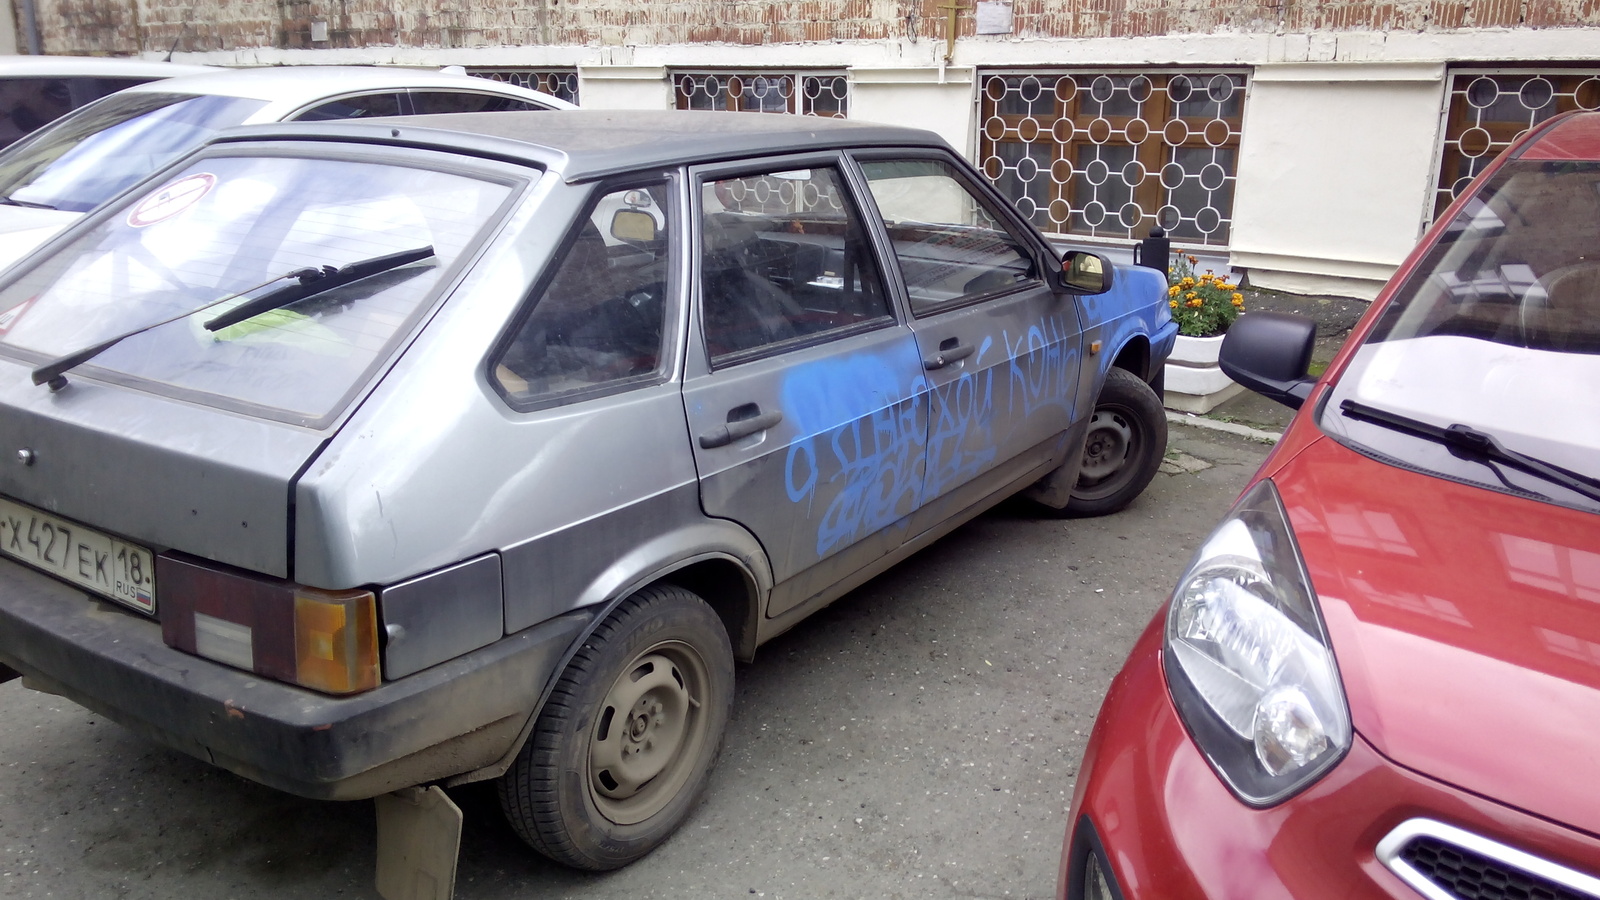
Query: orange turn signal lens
column 336, row 640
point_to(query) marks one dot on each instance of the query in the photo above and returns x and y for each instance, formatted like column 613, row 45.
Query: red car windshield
column 1496, row 332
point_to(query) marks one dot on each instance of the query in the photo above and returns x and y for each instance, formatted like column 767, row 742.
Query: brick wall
column 130, row 26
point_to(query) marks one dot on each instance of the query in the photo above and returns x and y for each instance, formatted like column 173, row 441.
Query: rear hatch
column 239, row 305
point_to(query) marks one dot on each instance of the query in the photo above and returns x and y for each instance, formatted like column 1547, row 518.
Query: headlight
column 1247, row 658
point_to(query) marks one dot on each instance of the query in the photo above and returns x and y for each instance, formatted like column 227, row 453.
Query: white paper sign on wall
column 993, row 17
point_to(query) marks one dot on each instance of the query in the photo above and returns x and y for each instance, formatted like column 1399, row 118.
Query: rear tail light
column 323, row 640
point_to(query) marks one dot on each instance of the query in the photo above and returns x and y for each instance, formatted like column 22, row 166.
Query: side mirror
column 1083, row 272
column 633, row 226
column 1270, row 353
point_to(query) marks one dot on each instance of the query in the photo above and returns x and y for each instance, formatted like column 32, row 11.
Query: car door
column 1000, row 347
column 808, row 418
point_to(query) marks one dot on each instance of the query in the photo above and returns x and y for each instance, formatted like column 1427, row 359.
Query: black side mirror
column 1083, row 272
column 1270, row 353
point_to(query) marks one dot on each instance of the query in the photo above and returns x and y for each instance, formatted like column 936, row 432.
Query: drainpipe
column 30, row 26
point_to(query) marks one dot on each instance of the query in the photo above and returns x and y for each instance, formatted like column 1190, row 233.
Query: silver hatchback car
column 355, row 457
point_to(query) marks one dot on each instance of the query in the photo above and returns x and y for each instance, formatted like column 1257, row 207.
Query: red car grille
column 1459, row 872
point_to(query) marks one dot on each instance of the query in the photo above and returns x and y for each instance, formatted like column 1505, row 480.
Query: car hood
column 1466, row 624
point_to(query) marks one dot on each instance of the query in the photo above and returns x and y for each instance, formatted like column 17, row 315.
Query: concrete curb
column 1244, row 431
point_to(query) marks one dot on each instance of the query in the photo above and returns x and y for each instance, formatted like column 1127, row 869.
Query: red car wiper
column 311, row 281
column 1477, row 443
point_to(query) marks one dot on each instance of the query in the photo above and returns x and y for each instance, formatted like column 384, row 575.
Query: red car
column 1380, row 676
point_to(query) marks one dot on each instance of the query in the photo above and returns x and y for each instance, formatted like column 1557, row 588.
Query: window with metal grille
column 561, row 83
column 1487, row 110
column 818, row 94
column 1112, row 154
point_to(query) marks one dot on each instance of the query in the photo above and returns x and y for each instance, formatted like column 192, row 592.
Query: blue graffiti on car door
column 869, row 468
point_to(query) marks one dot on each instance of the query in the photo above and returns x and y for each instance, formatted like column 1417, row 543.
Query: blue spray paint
column 872, row 463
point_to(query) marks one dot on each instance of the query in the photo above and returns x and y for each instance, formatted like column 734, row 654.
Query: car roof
column 288, row 88
column 1574, row 136
column 581, row 145
column 93, row 67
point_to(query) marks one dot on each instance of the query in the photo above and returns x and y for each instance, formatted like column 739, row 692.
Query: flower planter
column 1194, row 382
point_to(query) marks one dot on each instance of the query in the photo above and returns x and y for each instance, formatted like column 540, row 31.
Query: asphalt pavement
column 919, row 738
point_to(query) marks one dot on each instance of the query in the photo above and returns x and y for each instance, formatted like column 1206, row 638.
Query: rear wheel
column 1123, row 449
column 624, row 746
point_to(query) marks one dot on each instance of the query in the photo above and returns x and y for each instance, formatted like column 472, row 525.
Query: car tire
column 1126, row 441
column 625, row 744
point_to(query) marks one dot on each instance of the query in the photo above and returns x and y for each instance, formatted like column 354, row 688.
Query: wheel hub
column 1106, row 448
column 644, row 729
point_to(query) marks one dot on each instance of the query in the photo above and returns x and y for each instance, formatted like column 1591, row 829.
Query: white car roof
column 289, row 88
column 93, row 67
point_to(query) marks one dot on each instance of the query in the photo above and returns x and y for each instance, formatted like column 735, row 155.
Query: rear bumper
column 455, row 717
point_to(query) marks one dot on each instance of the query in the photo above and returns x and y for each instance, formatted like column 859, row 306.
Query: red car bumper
column 1166, row 826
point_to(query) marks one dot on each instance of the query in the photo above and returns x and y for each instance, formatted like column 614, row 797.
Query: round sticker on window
column 168, row 201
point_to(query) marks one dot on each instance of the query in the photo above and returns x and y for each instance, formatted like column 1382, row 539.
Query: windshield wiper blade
column 54, row 372
column 25, row 204
column 1476, row 443
column 325, row 279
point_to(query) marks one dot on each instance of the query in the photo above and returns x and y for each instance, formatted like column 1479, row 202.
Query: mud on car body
column 355, row 457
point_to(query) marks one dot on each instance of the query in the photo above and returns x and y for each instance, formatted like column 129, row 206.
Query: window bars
column 819, row 94
column 1487, row 110
column 1112, row 154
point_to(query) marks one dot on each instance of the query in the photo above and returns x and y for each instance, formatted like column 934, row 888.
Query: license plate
column 91, row 560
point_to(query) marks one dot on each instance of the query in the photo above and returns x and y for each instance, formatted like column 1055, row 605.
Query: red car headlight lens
column 1247, row 658
column 323, row 640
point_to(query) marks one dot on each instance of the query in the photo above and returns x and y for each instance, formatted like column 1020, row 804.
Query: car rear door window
column 364, row 106
column 784, row 258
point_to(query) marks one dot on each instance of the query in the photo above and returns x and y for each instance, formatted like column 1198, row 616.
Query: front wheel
column 1123, row 449
column 626, row 742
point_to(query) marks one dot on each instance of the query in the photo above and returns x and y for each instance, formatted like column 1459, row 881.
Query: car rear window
column 230, row 224
column 89, row 157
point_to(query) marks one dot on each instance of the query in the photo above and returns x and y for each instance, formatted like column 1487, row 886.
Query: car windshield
column 90, row 156
column 229, row 224
column 1497, row 331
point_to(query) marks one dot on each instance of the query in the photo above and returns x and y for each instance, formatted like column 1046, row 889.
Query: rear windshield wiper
column 1475, row 443
column 310, row 282
column 321, row 281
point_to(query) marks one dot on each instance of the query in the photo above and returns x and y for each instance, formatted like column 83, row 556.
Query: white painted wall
column 939, row 99
column 1336, row 167
column 624, row 87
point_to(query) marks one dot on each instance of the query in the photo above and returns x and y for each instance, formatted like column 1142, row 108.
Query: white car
column 57, row 174
column 36, row 90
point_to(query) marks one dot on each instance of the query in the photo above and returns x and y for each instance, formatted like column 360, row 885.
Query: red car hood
column 1466, row 624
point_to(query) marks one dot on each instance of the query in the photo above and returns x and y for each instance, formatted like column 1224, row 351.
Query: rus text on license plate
column 91, row 560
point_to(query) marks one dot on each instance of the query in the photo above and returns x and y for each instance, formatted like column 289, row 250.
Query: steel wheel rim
column 648, row 733
column 1112, row 443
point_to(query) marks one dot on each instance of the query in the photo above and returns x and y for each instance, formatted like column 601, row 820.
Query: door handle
column 947, row 355
column 723, row 435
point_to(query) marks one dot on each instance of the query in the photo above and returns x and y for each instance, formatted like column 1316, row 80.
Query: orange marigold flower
column 1238, row 299
column 1173, row 291
column 1194, row 260
column 1197, row 302
column 1187, row 282
column 1172, row 303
